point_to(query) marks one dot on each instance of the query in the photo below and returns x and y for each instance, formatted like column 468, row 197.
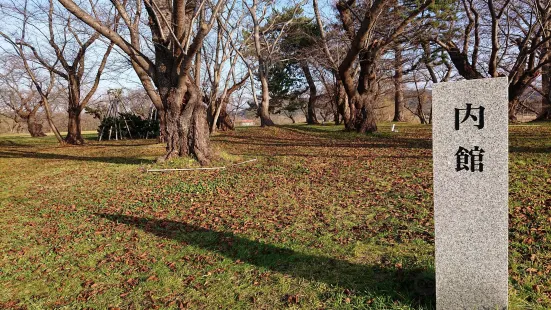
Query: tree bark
column 545, row 113
column 74, row 132
column 364, row 115
column 264, row 108
column 224, row 122
column 223, row 119
column 184, row 124
column 398, row 90
column 363, row 96
column 311, row 118
column 34, row 127
column 513, row 105
column 337, row 118
column 342, row 103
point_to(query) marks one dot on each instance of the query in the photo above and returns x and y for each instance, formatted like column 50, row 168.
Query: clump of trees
column 341, row 61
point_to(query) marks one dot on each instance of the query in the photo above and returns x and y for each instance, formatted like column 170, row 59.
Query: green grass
column 323, row 220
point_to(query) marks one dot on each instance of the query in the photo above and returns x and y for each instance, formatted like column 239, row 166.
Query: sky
column 124, row 77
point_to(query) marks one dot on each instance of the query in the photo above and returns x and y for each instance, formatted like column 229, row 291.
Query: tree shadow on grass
column 109, row 160
column 413, row 287
column 528, row 149
column 378, row 144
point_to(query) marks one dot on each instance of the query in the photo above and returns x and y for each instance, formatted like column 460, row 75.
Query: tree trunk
column 516, row 89
column 513, row 105
column 363, row 119
column 211, row 111
column 264, row 109
column 398, row 90
column 420, row 110
column 342, row 103
column 223, row 119
column 74, row 134
column 224, row 122
column 184, row 126
column 311, row 118
column 361, row 98
column 545, row 113
column 336, row 118
column 34, row 127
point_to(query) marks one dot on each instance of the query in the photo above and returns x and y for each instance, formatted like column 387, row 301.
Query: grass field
column 323, row 220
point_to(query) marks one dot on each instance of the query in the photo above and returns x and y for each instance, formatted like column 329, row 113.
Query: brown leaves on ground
column 293, row 229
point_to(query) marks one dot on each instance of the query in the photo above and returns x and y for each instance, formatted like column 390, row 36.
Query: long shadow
column 110, row 160
column 380, row 143
column 308, row 155
column 410, row 286
column 9, row 144
column 305, row 128
column 528, row 149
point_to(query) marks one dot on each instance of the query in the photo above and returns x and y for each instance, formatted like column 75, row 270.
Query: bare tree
column 370, row 39
column 517, row 35
column 224, row 54
column 167, row 76
column 41, row 87
column 21, row 100
column 65, row 49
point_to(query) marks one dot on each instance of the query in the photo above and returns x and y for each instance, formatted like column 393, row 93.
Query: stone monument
column 470, row 157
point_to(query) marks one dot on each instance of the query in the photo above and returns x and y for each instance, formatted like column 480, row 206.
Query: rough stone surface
column 471, row 208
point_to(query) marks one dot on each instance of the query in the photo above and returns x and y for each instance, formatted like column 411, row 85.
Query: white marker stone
column 470, row 156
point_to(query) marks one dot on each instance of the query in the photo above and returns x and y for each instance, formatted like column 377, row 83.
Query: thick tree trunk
column 349, row 114
column 398, row 90
column 220, row 117
column 34, row 127
column 337, row 118
column 363, row 119
column 545, row 112
column 311, row 114
column 223, row 119
column 74, row 133
column 513, row 105
column 224, row 122
column 515, row 91
column 211, row 111
column 184, row 126
column 362, row 98
column 343, row 108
